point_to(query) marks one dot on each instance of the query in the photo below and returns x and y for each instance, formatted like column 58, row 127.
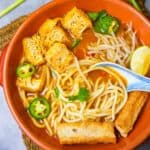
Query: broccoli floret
column 95, row 15
column 102, row 13
column 106, row 24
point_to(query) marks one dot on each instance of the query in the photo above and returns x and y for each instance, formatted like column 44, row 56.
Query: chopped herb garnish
column 56, row 92
column 82, row 96
column 72, row 98
column 75, row 43
column 93, row 15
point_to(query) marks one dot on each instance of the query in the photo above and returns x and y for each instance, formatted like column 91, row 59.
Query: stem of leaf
column 10, row 8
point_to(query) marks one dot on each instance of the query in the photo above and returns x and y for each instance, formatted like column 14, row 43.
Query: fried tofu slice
column 59, row 57
column 76, row 21
column 57, row 34
column 86, row 133
column 129, row 114
column 51, row 32
column 47, row 26
column 33, row 49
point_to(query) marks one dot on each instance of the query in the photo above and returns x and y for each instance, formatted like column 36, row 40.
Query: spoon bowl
column 135, row 82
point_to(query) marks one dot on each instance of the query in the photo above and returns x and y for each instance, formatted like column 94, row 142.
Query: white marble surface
column 10, row 135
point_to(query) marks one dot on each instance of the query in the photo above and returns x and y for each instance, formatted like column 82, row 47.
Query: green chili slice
column 39, row 108
column 25, row 70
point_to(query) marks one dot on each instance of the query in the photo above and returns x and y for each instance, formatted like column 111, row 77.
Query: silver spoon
column 135, row 82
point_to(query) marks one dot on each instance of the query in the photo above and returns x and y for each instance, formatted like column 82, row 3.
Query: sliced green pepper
column 39, row 108
column 75, row 43
column 25, row 70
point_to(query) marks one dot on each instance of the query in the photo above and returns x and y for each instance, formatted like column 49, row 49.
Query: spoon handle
column 141, row 84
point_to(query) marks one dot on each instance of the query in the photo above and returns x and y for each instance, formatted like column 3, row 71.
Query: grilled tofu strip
column 86, row 132
column 128, row 115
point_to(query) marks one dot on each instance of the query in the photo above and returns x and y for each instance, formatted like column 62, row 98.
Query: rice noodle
column 114, row 48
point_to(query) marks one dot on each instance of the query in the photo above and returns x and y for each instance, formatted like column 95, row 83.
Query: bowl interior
column 117, row 8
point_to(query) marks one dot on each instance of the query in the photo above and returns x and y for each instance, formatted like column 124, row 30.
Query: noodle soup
column 62, row 89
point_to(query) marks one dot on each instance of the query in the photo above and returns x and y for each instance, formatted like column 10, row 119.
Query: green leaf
column 57, row 92
column 83, row 94
column 93, row 15
column 75, row 43
column 72, row 98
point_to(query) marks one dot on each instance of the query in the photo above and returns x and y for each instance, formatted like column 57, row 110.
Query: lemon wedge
column 140, row 61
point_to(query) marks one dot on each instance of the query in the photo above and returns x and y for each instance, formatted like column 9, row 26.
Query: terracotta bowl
column 11, row 56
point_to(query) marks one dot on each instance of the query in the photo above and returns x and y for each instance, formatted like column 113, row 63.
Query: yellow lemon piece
column 140, row 61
